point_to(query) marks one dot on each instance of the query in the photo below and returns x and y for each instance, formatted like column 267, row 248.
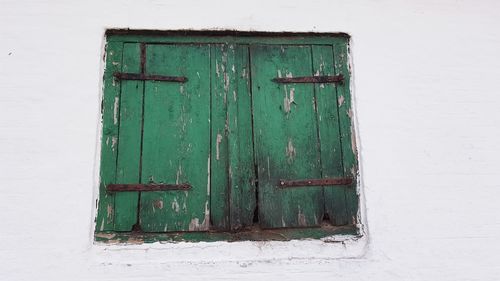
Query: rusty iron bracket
column 314, row 182
column 140, row 76
column 310, row 79
column 147, row 187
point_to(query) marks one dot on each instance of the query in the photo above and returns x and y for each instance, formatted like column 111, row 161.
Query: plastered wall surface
column 427, row 109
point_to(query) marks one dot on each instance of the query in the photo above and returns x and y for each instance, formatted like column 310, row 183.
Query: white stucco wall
column 427, row 107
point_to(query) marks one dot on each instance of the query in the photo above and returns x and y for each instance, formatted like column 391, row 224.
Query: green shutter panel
column 232, row 166
column 129, row 140
column 110, row 109
column 329, row 134
column 176, row 139
column 286, row 137
column 230, row 132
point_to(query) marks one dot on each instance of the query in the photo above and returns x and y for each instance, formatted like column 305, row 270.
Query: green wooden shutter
column 230, row 132
column 286, row 137
column 176, row 139
column 297, row 136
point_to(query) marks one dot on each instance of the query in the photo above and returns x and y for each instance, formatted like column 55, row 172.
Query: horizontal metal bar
column 147, row 187
column 310, row 79
column 140, row 76
column 314, row 182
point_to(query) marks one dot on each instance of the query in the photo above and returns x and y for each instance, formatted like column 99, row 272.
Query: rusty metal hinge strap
column 140, row 76
column 147, row 187
column 310, row 79
column 314, row 182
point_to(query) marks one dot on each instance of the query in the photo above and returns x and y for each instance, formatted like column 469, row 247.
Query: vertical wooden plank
column 109, row 111
column 222, row 83
column 286, row 139
column 329, row 134
column 241, row 162
column 176, row 142
column 129, row 140
column 348, row 141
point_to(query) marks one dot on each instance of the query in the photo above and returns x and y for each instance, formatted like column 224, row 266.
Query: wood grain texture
column 241, row 161
column 348, row 140
column 110, row 103
column 129, row 140
column 286, row 139
column 329, row 134
column 176, row 143
column 222, row 83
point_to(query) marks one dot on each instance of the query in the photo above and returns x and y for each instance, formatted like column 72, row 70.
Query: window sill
column 326, row 233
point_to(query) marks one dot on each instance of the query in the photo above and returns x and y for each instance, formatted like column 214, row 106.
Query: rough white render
column 426, row 91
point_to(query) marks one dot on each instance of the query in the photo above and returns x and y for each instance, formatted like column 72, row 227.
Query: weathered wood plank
column 129, row 140
column 329, row 134
column 110, row 107
column 286, row 138
column 348, row 141
column 176, row 143
column 241, row 162
column 221, row 86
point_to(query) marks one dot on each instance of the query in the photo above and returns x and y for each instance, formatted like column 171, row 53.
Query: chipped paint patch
column 109, row 211
column 290, row 150
column 115, row 111
column 206, row 220
column 353, row 141
column 158, row 204
column 301, row 219
column 175, row 205
column 217, row 150
column 208, row 176
column 178, row 174
column 289, row 99
column 341, row 100
column 194, row 224
column 226, row 82
column 114, row 141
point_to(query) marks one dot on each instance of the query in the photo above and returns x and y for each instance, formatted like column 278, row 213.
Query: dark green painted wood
column 233, row 200
column 129, row 140
column 329, row 135
column 110, row 109
column 241, row 162
column 221, row 86
column 349, row 151
column 176, row 143
column 286, row 139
